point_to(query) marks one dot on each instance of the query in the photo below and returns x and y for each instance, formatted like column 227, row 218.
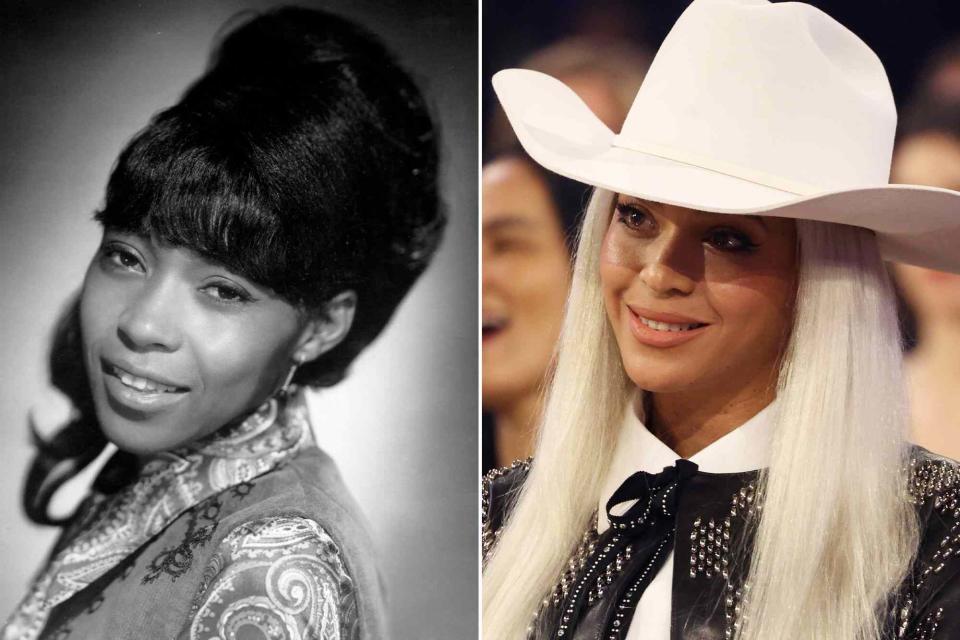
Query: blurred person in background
column 529, row 222
column 928, row 153
column 939, row 81
column 528, row 219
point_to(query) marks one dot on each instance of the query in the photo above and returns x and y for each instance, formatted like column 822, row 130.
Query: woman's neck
column 515, row 428
column 938, row 353
column 933, row 375
column 688, row 422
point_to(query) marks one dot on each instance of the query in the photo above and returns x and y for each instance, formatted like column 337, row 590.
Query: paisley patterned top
column 275, row 578
column 226, row 538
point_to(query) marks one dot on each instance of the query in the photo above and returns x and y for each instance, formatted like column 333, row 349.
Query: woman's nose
column 151, row 320
column 671, row 267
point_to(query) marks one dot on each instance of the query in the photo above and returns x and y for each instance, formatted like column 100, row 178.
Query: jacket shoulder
column 498, row 491
column 932, row 477
column 930, row 598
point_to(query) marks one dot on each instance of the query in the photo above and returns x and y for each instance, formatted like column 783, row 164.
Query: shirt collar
column 110, row 527
column 746, row 448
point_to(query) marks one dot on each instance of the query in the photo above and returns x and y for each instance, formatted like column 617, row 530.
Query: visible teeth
column 666, row 326
column 141, row 384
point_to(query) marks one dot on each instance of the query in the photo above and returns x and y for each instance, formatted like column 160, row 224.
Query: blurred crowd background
column 601, row 49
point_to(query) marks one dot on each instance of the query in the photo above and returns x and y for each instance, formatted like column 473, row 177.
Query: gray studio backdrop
column 78, row 79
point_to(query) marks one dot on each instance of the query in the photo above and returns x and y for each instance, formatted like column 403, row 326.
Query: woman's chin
column 657, row 378
column 139, row 437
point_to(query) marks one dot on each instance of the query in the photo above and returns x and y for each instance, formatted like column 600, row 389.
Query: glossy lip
column 134, row 403
column 662, row 339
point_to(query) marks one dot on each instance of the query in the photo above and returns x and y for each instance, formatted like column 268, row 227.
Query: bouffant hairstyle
column 304, row 159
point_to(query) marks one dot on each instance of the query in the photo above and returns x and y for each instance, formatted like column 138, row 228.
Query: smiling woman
column 256, row 237
column 178, row 345
column 723, row 453
column 700, row 305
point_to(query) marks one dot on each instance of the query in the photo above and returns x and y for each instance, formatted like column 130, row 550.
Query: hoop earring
column 288, row 381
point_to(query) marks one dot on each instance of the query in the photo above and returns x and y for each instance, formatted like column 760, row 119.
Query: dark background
column 901, row 32
column 77, row 80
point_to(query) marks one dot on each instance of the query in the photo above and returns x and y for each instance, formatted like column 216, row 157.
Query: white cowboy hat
column 749, row 107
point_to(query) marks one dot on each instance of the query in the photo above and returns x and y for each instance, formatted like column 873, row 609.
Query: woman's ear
column 327, row 329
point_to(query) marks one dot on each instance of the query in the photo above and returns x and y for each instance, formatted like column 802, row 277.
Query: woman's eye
column 226, row 293
column 730, row 240
column 121, row 258
column 633, row 217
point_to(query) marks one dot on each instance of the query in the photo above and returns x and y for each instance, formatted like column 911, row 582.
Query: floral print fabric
column 289, row 563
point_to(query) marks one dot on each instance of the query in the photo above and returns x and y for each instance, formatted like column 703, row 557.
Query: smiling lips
column 143, row 384
column 138, row 396
column 663, row 330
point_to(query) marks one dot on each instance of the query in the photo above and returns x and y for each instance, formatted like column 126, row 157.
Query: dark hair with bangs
column 304, row 159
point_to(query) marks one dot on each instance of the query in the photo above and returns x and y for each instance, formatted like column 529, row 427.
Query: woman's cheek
column 100, row 306
column 222, row 355
column 756, row 311
column 242, row 351
column 615, row 252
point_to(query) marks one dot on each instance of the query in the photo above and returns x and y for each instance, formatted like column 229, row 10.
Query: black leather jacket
column 707, row 520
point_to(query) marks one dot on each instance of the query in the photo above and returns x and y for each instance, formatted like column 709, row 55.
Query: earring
column 288, row 381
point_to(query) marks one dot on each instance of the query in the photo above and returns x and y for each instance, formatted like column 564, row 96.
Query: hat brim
column 914, row 224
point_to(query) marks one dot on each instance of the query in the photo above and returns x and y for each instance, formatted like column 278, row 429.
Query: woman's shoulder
column 931, row 593
column 933, row 485
column 283, row 572
column 932, row 477
column 498, row 491
column 308, row 484
column 295, row 525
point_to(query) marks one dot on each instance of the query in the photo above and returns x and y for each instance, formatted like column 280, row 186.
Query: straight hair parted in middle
column 837, row 531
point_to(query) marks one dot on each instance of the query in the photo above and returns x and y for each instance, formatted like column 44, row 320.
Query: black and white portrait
column 239, row 369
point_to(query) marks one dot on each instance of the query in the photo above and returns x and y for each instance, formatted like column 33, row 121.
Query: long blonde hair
column 837, row 532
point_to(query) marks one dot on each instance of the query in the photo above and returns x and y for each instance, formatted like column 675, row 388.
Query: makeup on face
column 177, row 346
column 697, row 298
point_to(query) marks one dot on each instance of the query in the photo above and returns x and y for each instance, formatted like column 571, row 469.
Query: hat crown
column 781, row 93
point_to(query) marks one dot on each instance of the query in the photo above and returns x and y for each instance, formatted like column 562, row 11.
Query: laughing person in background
column 530, row 218
column 527, row 220
column 256, row 237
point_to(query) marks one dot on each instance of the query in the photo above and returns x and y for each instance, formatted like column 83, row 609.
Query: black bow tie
column 641, row 537
column 655, row 496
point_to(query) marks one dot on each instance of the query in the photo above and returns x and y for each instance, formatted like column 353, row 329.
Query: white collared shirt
column 746, row 448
